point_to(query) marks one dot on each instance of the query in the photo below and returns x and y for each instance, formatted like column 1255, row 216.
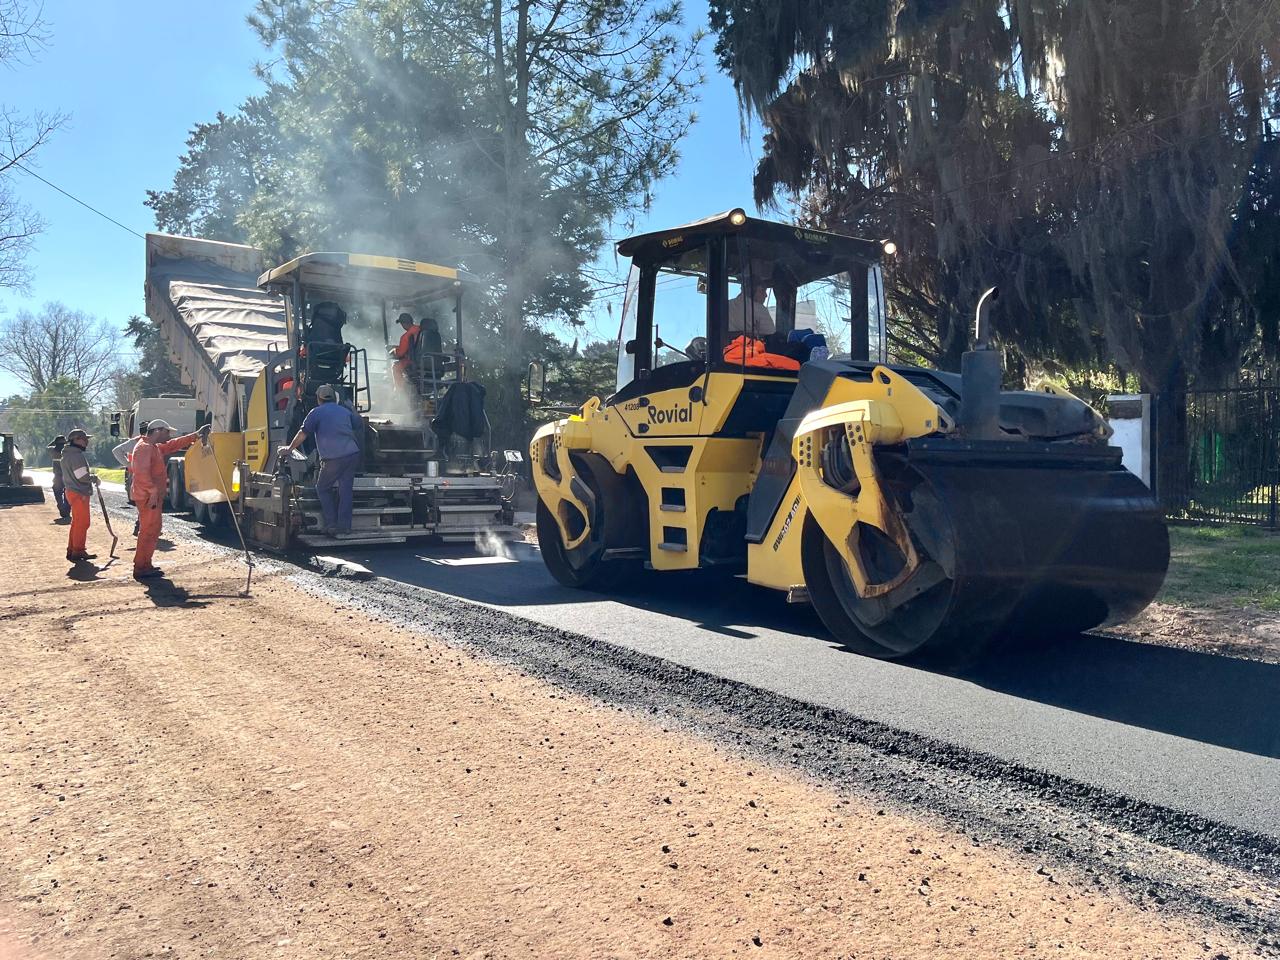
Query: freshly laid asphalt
column 1189, row 731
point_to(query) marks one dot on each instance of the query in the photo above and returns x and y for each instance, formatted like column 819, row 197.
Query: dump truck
column 921, row 513
column 182, row 414
column 254, row 343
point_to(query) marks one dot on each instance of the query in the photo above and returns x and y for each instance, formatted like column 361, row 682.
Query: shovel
column 248, row 557
column 106, row 518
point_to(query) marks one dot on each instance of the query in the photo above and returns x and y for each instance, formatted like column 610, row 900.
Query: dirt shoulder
column 1221, row 595
column 191, row 773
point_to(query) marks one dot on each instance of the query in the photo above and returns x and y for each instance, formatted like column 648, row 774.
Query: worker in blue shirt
column 339, row 434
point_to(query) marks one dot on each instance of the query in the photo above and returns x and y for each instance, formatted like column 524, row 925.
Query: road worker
column 751, row 316
column 59, row 487
column 123, row 452
column 79, row 482
column 339, row 436
column 403, row 352
column 150, row 466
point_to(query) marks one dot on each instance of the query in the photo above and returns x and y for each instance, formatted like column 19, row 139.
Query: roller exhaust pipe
column 980, row 377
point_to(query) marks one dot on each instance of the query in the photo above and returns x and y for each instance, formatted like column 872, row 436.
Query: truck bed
column 219, row 327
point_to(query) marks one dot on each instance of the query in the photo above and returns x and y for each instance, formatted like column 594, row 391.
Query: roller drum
column 1018, row 543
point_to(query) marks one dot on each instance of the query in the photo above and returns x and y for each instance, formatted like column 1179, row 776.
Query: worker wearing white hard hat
column 150, row 466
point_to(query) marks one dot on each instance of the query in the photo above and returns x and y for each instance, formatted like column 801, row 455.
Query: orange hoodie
column 150, row 465
column 406, row 341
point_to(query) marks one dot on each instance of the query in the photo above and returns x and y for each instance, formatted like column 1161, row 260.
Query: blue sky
column 134, row 77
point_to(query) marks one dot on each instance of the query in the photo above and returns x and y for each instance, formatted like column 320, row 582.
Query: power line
column 27, row 170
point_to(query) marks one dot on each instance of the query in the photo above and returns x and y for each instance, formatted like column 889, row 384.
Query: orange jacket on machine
column 403, row 351
column 752, row 353
column 407, row 338
column 151, row 467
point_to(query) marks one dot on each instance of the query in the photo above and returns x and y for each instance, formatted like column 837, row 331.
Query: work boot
column 77, row 557
column 148, row 573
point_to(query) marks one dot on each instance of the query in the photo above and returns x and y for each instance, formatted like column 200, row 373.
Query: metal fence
column 1223, row 459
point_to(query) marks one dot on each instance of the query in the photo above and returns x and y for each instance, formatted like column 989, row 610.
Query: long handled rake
column 244, row 545
column 106, row 518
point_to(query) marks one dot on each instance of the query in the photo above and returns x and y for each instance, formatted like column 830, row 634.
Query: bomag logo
column 811, row 236
column 786, row 524
column 672, row 242
column 671, row 414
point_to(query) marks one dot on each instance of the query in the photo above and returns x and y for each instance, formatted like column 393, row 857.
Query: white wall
column 1131, row 436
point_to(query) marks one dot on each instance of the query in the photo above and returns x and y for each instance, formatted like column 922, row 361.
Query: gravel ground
column 311, row 772
column 1155, row 857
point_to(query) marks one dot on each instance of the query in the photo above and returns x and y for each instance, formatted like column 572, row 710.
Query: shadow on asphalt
column 521, row 580
column 1208, row 698
column 1213, row 699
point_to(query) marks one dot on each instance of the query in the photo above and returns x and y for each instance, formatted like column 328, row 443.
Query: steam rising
column 490, row 544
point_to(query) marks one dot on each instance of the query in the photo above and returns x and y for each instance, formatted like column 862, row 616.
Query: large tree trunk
column 511, row 78
column 508, row 416
column 1171, row 469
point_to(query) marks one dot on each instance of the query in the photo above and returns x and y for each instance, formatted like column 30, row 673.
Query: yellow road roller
column 923, row 514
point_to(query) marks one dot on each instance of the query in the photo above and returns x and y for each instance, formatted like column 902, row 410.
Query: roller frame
column 863, row 424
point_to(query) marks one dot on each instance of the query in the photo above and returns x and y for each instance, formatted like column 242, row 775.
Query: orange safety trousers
column 149, row 522
column 79, row 535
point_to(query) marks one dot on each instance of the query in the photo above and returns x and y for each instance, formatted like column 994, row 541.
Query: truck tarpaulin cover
column 218, row 325
column 232, row 319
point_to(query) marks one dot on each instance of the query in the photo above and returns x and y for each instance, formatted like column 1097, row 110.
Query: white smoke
column 489, row 544
column 364, row 331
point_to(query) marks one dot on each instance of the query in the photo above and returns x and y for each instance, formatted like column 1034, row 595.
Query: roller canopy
column 663, row 242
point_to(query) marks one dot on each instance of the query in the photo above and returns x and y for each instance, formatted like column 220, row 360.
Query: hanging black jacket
column 461, row 412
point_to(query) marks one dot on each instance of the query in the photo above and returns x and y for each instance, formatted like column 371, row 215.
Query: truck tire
column 217, row 516
column 178, row 488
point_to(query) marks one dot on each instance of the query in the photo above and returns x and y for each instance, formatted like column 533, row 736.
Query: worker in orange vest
column 403, row 352
column 150, row 481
